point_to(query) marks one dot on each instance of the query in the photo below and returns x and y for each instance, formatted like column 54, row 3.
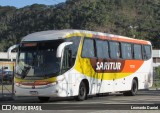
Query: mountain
column 133, row 18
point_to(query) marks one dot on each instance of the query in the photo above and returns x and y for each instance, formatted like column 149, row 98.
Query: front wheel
column 133, row 90
column 82, row 92
column 44, row 99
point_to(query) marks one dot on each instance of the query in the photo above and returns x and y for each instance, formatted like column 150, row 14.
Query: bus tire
column 133, row 90
column 44, row 99
column 82, row 95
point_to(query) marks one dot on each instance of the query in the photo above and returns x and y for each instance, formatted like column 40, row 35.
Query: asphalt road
column 143, row 97
column 147, row 96
column 96, row 104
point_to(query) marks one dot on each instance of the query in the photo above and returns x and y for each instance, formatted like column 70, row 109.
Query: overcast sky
column 22, row 3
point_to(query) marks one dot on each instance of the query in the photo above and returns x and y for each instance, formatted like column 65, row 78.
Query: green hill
column 133, row 18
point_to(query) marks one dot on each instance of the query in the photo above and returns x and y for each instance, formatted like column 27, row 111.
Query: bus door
column 67, row 63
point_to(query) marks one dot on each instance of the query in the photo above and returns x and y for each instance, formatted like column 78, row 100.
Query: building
column 3, row 56
column 156, row 58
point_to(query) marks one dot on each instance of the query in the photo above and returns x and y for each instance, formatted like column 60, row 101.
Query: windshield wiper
column 25, row 71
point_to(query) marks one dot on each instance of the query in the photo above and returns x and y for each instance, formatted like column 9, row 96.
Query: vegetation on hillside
column 133, row 18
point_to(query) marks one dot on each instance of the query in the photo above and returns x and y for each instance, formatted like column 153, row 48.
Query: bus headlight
column 52, row 84
column 17, row 84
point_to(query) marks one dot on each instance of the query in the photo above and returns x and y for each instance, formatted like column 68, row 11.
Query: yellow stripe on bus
column 53, row 79
column 79, row 34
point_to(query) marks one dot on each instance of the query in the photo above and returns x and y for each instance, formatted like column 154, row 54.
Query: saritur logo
column 108, row 66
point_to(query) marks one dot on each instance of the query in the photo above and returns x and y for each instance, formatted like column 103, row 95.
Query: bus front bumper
column 33, row 91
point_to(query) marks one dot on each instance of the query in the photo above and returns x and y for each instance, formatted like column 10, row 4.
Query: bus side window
column 126, row 50
column 115, row 51
column 70, row 53
column 67, row 62
column 102, row 49
column 146, row 52
column 137, row 49
column 88, row 48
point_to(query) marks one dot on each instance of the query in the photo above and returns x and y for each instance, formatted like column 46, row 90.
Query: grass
column 156, row 83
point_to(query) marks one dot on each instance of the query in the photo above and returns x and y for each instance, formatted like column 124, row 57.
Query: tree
column 110, row 16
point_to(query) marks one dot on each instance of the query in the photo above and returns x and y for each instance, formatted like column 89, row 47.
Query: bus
column 78, row 63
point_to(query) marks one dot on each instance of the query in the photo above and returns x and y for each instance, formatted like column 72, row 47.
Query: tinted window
column 102, row 49
column 114, row 50
column 147, row 52
column 39, row 60
column 88, row 48
column 137, row 51
column 74, row 46
column 70, row 53
column 126, row 51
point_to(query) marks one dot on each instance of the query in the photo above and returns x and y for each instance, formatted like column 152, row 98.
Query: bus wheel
column 82, row 92
column 133, row 90
column 44, row 99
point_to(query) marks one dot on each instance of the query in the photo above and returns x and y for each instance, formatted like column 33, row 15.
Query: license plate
column 34, row 92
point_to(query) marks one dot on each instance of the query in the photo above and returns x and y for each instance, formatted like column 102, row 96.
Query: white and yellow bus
column 63, row 63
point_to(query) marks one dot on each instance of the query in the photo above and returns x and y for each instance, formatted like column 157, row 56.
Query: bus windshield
column 38, row 59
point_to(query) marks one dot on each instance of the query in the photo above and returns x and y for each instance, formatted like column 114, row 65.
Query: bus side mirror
column 10, row 50
column 61, row 47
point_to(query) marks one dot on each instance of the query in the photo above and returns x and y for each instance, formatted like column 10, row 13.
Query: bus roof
column 61, row 34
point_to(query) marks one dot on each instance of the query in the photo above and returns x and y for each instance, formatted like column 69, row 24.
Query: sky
column 22, row 3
